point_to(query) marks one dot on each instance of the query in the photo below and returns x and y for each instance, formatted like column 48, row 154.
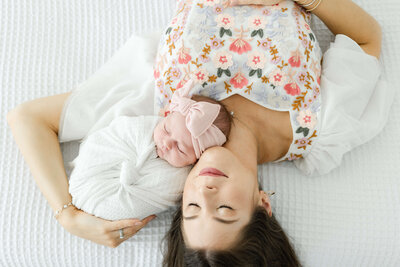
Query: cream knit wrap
column 117, row 174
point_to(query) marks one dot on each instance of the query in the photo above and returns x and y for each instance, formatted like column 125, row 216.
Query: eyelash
column 179, row 149
column 165, row 129
column 222, row 206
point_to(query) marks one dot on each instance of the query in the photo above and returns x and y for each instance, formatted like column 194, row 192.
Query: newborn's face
column 174, row 141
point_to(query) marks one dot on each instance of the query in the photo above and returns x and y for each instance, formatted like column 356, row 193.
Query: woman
column 222, row 200
column 268, row 138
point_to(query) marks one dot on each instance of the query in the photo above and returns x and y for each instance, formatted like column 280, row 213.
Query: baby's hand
column 251, row 2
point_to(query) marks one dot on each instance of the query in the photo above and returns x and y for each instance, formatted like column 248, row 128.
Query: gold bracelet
column 309, row 10
column 312, row 2
column 309, row 4
column 58, row 212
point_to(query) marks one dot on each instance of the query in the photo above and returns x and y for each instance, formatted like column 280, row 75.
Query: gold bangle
column 309, row 10
column 297, row 1
column 58, row 212
column 309, row 4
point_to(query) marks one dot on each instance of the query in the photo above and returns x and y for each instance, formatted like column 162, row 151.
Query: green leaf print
column 259, row 73
column 219, row 73
column 221, row 32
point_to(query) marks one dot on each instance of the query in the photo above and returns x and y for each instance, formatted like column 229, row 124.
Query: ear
column 265, row 202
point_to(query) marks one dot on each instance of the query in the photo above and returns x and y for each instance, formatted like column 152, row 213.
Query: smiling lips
column 212, row 172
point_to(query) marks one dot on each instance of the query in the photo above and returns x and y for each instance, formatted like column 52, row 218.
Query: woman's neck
column 270, row 130
column 243, row 143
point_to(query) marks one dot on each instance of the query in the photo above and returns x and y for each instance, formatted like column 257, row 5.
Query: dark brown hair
column 224, row 118
column 262, row 243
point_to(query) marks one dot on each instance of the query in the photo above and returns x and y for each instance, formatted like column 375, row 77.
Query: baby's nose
column 168, row 143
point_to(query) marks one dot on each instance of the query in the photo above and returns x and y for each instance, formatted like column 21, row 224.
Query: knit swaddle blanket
column 117, row 174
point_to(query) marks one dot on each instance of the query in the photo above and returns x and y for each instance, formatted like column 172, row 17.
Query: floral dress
column 267, row 54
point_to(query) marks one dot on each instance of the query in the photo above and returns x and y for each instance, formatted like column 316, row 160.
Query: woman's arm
column 34, row 125
column 346, row 17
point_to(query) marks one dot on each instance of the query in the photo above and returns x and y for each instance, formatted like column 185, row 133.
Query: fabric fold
column 118, row 175
column 356, row 101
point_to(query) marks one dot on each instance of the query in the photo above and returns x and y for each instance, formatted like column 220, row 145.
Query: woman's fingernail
column 138, row 223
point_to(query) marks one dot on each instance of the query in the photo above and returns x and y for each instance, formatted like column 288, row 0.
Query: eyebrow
column 215, row 218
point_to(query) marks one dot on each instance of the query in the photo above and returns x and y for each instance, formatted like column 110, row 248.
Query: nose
column 207, row 189
column 168, row 143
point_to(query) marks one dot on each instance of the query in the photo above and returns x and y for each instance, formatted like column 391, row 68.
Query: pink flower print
column 319, row 80
column 292, row 89
column 239, row 81
column 181, row 84
column 225, row 21
column 294, row 61
column 223, row 60
column 257, row 22
column 275, row 7
column 307, row 119
column 256, row 60
column 200, row 76
column 307, row 27
column 211, row 2
column 174, row 20
column 175, row 73
column 316, row 67
column 156, row 74
column 183, row 55
column 277, row 77
column 240, row 45
column 295, row 58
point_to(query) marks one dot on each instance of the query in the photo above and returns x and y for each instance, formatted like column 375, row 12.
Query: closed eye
column 225, row 207
column 165, row 129
column 180, row 150
column 220, row 207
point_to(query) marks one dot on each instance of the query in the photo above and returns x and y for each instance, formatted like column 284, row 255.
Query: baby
column 129, row 168
column 190, row 127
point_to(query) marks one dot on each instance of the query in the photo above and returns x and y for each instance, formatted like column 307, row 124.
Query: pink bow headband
column 199, row 119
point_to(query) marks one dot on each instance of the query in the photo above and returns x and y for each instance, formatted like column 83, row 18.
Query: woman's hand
column 100, row 231
column 252, row 2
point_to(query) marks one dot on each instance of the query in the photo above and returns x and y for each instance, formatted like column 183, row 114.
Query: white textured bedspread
column 350, row 217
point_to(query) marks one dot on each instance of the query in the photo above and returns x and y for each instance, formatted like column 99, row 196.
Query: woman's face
column 219, row 197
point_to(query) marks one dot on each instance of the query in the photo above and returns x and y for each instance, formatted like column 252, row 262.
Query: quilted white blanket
column 350, row 217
